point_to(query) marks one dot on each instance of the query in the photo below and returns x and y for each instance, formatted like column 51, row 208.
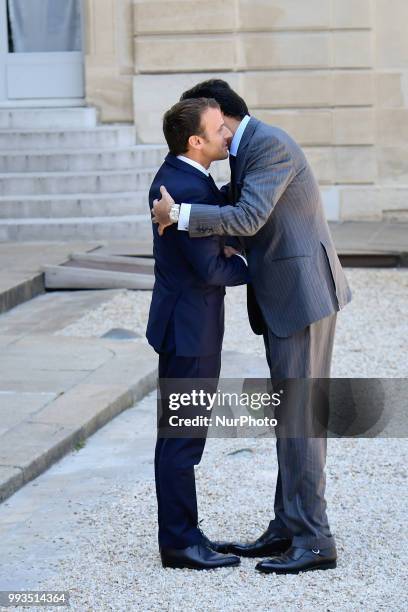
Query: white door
column 41, row 54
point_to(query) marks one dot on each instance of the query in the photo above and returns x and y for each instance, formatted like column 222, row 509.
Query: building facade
column 333, row 73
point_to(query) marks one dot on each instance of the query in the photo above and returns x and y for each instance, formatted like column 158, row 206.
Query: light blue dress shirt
column 238, row 136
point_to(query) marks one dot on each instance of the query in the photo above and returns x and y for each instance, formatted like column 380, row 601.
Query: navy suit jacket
column 187, row 308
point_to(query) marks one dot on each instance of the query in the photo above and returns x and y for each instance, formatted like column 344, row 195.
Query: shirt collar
column 238, row 135
column 193, row 163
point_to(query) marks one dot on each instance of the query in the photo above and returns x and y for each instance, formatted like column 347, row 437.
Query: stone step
column 47, row 183
column 49, row 118
column 101, row 136
column 138, row 156
column 128, row 227
column 74, row 205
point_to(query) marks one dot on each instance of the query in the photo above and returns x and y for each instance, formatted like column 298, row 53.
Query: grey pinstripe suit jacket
column 296, row 274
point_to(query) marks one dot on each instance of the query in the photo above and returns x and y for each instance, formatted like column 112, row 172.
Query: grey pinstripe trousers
column 300, row 506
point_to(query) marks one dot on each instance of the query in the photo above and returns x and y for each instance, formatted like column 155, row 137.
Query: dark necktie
column 233, row 163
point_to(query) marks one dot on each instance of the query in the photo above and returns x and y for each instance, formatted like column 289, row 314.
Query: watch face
column 174, row 214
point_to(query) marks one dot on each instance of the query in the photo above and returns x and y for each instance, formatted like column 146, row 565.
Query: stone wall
column 109, row 65
column 333, row 73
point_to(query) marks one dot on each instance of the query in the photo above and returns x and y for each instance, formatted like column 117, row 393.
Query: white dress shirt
column 193, row 163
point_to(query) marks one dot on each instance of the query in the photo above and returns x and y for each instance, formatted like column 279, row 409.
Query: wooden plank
column 62, row 277
column 107, row 258
column 118, row 267
column 138, row 248
column 141, row 265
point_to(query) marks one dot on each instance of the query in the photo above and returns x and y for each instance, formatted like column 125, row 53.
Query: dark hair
column 230, row 102
column 184, row 120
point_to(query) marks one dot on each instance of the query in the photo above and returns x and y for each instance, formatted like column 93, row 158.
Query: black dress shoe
column 297, row 560
column 220, row 547
column 268, row 544
column 199, row 556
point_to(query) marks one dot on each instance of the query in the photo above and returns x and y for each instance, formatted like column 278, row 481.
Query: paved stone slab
column 17, row 405
column 44, row 352
column 36, row 380
column 86, row 405
column 7, row 339
column 51, row 312
column 21, row 276
column 31, row 446
column 50, row 401
column 370, row 236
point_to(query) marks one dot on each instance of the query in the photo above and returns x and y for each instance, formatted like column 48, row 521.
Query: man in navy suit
column 186, row 319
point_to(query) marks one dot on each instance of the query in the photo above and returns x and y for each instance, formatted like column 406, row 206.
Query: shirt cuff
column 242, row 257
column 184, row 217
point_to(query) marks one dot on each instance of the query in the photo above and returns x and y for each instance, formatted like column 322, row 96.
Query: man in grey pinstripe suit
column 298, row 286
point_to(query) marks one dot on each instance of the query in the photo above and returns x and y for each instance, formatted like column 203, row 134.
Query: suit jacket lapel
column 181, row 165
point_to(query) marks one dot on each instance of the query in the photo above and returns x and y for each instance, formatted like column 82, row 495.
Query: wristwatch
column 174, row 213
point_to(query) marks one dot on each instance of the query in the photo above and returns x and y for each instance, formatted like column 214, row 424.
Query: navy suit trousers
column 175, row 459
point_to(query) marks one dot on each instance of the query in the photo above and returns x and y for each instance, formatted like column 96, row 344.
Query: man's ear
column 194, row 142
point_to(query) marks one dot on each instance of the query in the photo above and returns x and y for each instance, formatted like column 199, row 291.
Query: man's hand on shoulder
column 162, row 209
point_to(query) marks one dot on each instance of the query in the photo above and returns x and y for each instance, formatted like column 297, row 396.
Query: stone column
column 392, row 107
column 177, row 44
column 109, row 58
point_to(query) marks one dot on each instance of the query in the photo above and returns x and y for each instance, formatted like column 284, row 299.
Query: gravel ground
column 371, row 331
column 118, row 568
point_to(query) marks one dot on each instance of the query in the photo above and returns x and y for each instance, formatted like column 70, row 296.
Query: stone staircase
column 64, row 177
